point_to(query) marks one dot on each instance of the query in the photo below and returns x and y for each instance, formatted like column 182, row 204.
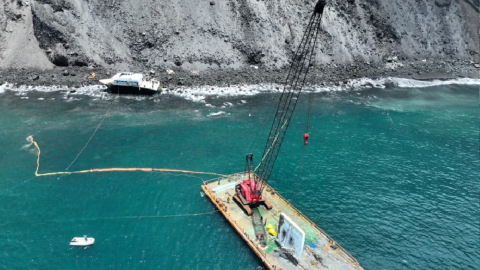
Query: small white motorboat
column 82, row 241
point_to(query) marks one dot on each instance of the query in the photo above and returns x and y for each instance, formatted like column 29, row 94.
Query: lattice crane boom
column 288, row 100
column 293, row 85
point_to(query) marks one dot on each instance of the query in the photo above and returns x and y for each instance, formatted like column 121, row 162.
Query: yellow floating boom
column 112, row 169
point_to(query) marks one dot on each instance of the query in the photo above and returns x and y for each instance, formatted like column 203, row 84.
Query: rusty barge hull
column 320, row 250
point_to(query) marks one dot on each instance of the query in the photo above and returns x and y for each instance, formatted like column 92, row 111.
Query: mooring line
column 112, row 169
column 120, row 217
column 162, row 216
column 13, row 187
column 91, row 137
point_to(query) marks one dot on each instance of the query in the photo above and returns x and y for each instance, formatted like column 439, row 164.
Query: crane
column 249, row 192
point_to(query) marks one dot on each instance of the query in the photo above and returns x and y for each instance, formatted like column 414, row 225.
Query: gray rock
column 443, row 3
column 35, row 77
column 247, row 30
column 477, row 65
column 60, row 60
column 66, row 72
column 80, row 63
column 391, row 59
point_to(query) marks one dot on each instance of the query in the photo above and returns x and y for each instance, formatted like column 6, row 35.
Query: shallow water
column 392, row 174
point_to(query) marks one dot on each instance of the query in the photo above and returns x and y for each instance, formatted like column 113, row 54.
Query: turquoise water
column 391, row 174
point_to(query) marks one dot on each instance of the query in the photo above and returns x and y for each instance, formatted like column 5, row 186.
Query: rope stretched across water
column 160, row 216
column 122, row 217
column 93, row 134
column 112, row 169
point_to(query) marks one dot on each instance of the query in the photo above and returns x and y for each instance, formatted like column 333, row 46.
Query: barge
column 319, row 251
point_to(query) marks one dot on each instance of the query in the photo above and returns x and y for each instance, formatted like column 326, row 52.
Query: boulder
column 58, row 55
column 80, row 63
column 443, row 3
column 60, row 60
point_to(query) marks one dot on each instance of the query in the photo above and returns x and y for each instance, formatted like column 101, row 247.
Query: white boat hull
column 130, row 83
column 82, row 241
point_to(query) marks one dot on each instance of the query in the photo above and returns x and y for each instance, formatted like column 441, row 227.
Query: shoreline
column 319, row 75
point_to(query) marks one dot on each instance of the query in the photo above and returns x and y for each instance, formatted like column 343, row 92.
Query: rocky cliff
column 212, row 34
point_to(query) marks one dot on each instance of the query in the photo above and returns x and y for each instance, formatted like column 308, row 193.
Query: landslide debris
column 201, row 35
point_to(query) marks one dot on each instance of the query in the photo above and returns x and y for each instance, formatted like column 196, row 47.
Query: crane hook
column 305, row 138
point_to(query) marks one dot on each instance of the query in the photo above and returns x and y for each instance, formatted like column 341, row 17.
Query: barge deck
column 320, row 250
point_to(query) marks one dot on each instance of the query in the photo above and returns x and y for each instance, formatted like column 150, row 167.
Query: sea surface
column 390, row 172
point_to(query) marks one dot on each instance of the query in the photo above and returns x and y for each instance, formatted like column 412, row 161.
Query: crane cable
column 296, row 69
column 300, row 68
column 307, row 126
column 262, row 123
column 309, row 110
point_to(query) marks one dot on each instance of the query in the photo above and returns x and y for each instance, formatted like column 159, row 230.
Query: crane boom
column 288, row 100
column 249, row 192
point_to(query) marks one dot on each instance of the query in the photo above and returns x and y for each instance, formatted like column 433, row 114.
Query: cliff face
column 201, row 34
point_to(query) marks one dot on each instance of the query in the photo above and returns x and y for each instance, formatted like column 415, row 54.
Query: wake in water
column 26, row 146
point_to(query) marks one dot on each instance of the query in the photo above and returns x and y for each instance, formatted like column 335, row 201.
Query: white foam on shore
column 409, row 83
column 200, row 93
column 4, row 87
column 216, row 113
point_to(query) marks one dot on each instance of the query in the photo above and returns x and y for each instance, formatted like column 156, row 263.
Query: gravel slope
column 201, row 35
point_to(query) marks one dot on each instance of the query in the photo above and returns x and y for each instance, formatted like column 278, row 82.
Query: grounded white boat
column 82, row 241
column 131, row 83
